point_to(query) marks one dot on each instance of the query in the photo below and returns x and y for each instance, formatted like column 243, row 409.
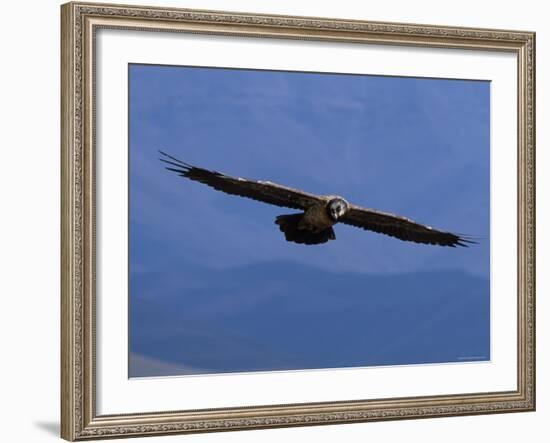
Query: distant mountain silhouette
column 283, row 315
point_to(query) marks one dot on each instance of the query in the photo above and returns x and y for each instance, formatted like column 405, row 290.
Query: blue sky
column 416, row 147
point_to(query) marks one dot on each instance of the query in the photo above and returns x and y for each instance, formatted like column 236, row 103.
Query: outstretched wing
column 400, row 227
column 263, row 191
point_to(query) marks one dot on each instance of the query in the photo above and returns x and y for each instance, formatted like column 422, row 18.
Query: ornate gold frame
column 79, row 420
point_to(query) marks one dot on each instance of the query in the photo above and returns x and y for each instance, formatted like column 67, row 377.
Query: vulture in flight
column 318, row 213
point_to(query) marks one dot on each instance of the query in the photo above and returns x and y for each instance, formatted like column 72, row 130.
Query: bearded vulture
column 319, row 213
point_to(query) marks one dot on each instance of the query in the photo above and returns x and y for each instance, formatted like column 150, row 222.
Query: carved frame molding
column 79, row 23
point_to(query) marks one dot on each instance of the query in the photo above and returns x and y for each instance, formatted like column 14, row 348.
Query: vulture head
column 336, row 208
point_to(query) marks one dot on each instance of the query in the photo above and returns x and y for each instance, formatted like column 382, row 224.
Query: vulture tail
column 289, row 224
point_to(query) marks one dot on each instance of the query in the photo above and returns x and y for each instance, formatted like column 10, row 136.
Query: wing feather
column 401, row 227
column 263, row 191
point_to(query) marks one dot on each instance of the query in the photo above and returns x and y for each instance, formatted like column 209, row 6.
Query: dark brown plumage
column 314, row 225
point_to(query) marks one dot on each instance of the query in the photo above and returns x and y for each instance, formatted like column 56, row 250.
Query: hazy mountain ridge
column 249, row 318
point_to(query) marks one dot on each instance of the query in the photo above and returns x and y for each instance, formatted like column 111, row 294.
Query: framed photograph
column 283, row 221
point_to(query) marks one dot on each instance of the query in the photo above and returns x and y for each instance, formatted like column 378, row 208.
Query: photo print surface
column 216, row 286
